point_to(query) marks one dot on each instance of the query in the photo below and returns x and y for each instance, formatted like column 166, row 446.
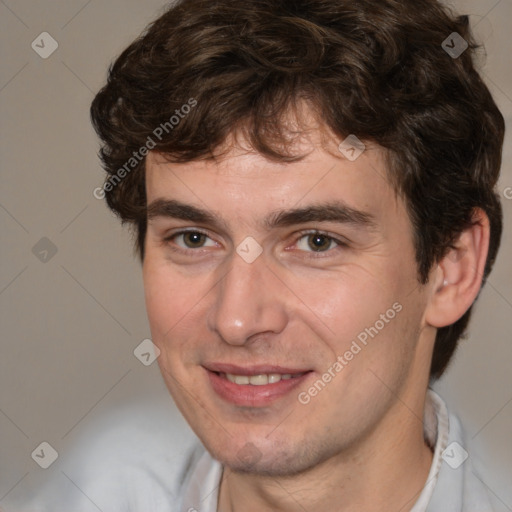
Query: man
column 313, row 190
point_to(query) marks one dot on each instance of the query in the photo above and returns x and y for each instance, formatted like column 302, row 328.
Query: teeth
column 241, row 379
column 258, row 380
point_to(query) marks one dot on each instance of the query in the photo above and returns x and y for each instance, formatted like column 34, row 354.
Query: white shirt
column 137, row 468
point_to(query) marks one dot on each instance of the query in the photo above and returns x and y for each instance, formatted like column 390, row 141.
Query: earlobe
column 457, row 278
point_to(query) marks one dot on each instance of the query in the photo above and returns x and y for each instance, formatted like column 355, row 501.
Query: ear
column 457, row 278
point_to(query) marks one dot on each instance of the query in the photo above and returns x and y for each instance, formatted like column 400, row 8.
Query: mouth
column 261, row 379
column 255, row 386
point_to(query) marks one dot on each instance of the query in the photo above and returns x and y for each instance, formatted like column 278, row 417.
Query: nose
column 249, row 301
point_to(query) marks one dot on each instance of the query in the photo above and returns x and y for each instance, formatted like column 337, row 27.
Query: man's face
column 245, row 336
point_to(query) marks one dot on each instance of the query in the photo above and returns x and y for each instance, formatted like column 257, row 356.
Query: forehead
column 323, row 161
column 244, row 186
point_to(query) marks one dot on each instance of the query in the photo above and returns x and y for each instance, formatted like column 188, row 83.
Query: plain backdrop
column 71, row 297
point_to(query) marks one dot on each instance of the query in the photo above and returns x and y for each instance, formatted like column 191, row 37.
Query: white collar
column 201, row 489
column 436, row 427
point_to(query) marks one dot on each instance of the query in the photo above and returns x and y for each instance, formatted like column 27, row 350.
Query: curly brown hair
column 374, row 69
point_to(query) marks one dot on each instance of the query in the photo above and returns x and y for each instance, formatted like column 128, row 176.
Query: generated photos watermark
column 304, row 397
column 139, row 155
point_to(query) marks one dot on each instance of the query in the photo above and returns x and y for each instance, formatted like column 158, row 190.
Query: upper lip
column 256, row 369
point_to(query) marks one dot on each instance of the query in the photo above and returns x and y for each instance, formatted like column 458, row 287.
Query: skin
column 358, row 444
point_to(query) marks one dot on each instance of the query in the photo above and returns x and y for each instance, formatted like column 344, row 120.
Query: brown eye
column 318, row 242
column 193, row 239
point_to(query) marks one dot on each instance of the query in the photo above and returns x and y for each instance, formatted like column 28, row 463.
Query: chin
column 269, row 461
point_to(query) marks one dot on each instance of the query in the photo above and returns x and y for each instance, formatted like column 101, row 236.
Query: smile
column 255, row 386
column 259, row 380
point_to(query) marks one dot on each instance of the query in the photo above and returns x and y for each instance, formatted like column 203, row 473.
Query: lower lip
column 253, row 396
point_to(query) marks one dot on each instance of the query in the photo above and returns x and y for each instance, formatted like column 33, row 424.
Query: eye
column 191, row 240
column 317, row 242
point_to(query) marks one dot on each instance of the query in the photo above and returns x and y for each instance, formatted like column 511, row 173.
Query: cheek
column 176, row 311
column 346, row 303
column 160, row 301
column 169, row 297
column 166, row 307
column 371, row 325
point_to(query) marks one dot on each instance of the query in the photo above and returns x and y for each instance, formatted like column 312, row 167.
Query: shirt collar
column 436, row 427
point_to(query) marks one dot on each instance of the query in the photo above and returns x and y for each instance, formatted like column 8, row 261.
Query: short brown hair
column 374, row 69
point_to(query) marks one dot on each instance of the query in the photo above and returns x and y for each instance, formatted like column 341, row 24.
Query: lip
column 249, row 395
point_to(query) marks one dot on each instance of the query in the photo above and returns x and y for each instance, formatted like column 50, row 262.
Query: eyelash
column 301, row 234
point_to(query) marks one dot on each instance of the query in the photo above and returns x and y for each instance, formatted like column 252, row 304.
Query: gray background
column 70, row 324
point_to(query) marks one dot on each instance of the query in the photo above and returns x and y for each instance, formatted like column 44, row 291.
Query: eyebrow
column 336, row 211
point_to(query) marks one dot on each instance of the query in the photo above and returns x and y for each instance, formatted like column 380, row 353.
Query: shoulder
column 132, row 459
column 459, row 485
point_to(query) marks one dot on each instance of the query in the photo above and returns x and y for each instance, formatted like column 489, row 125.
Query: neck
column 385, row 471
